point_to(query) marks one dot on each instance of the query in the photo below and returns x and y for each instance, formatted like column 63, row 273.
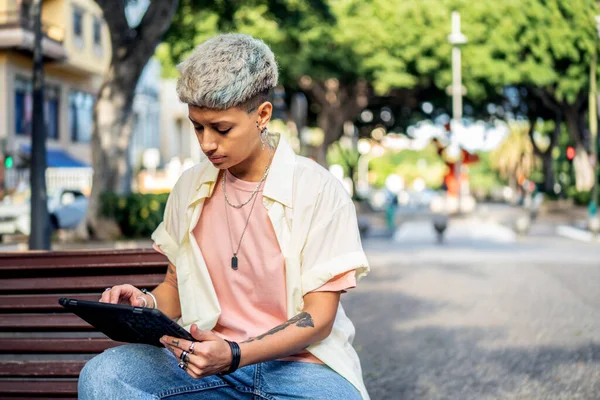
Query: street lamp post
column 39, row 237
column 594, row 223
column 456, row 38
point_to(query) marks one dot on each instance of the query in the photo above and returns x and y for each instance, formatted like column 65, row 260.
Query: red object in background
column 450, row 177
column 570, row 153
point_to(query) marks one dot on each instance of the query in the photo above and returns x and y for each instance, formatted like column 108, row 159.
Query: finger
column 115, row 294
column 194, row 371
column 191, row 364
column 202, row 335
column 177, row 352
column 104, row 298
column 181, row 344
column 139, row 301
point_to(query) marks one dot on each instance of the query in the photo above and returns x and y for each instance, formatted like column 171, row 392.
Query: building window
column 81, row 114
column 51, row 111
column 78, row 27
column 24, row 108
column 98, row 36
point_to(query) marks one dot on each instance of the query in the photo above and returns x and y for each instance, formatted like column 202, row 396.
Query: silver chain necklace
column 255, row 189
column 234, row 259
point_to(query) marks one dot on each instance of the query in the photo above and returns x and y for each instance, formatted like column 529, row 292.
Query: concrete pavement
column 479, row 319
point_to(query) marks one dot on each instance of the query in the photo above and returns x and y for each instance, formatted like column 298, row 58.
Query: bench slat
column 38, row 369
column 56, row 345
column 78, row 283
column 46, row 302
column 39, row 398
column 32, row 386
column 81, row 259
column 15, row 322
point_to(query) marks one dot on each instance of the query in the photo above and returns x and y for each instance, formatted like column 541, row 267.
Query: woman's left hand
column 211, row 355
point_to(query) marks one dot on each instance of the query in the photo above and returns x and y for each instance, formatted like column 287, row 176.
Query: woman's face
column 229, row 137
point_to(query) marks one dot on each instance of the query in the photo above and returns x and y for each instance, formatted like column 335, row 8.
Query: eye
column 224, row 131
column 198, row 127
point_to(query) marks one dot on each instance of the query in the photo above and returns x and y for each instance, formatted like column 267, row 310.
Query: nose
column 208, row 144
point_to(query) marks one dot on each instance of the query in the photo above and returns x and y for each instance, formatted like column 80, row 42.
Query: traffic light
column 9, row 161
column 570, row 153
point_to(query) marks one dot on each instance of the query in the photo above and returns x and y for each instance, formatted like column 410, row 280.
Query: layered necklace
column 252, row 198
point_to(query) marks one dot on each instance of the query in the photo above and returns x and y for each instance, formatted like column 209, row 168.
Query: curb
column 576, row 234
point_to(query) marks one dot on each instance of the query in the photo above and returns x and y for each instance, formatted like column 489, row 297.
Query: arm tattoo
column 301, row 320
column 171, row 270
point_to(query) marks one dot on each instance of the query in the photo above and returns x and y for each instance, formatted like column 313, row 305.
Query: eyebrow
column 212, row 123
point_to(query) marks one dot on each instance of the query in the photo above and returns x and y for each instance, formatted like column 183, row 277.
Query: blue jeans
column 138, row 371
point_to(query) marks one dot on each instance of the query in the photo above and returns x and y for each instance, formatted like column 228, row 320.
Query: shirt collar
column 278, row 185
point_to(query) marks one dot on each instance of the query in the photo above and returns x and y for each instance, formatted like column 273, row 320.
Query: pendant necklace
column 253, row 197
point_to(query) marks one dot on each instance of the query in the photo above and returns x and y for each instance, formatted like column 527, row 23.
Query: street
column 488, row 316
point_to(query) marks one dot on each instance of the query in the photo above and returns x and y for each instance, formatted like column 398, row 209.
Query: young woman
column 261, row 243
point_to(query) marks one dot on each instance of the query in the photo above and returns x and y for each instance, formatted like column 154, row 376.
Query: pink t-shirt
column 253, row 297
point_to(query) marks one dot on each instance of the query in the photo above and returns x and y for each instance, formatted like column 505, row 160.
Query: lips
column 216, row 159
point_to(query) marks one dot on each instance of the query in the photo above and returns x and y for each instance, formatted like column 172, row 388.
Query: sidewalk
column 550, row 222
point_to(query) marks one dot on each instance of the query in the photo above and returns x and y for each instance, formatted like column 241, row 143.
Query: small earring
column 263, row 136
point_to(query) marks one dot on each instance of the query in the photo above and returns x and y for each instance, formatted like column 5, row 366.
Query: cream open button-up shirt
column 315, row 222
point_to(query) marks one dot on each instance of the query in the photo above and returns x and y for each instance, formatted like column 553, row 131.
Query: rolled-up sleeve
column 166, row 233
column 333, row 247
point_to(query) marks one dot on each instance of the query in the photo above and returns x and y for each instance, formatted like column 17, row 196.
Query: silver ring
column 182, row 365
column 183, row 356
column 107, row 289
column 192, row 347
column 144, row 300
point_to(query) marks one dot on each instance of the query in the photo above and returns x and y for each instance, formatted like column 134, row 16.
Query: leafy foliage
column 137, row 215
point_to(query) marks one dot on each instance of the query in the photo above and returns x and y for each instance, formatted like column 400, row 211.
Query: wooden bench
column 42, row 347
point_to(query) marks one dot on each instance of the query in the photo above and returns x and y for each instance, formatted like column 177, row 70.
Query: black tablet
column 126, row 323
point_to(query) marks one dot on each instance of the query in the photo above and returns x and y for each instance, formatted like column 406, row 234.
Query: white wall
column 177, row 133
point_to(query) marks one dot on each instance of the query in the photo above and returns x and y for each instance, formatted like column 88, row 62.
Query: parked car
column 67, row 208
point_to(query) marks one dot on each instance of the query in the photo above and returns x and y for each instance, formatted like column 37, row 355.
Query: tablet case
column 125, row 323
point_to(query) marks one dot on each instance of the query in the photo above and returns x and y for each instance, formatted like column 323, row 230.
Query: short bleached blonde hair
column 228, row 70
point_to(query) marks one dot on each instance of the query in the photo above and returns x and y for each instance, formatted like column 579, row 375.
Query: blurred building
column 77, row 52
column 177, row 149
column 146, row 115
column 76, row 48
column 177, row 138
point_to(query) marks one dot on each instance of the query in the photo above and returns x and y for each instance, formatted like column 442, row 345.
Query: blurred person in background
column 261, row 244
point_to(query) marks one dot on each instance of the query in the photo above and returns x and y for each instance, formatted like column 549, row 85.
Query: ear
column 265, row 111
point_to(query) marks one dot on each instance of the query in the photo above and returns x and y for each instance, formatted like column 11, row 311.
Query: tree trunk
column 352, row 172
column 131, row 50
column 339, row 103
column 110, row 141
column 546, row 156
column 548, row 163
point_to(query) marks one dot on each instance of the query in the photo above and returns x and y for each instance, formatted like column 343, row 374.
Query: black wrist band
column 236, row 355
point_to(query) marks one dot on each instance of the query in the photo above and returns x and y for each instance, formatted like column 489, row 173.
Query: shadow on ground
column 441, row 362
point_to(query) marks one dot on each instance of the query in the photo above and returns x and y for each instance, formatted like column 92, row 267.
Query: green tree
column 543, row 46
column 132, row 47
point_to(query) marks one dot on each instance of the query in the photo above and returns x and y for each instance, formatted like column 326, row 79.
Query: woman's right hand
column 126, row 294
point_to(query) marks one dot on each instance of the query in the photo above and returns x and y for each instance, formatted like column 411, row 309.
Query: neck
column 253, row 168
